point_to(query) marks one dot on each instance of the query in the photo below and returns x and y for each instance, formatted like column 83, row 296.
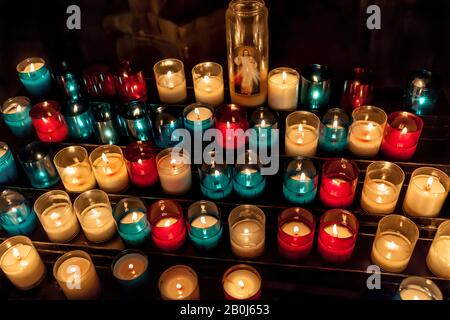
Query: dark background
column 414, row 34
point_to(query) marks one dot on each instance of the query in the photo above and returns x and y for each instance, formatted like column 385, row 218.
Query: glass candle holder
column 248, row 182
column 136, row 120
column 302, row 134
column 438, row 258
column 49, row 122
column 140, row 158
column 130, row 269
column 79, row 120
column 7, row 165
column 242, row 282
column 168, row 226
column 358, row 89
column 300, row 181
column 54, row 210
column 216, row 180
column 76, row 276
column 109, row 168
column 16, row 215
column 231, row 121
column 421, row 93
column 130, row 83
column 208, row 83
column 337, row 235
column 247, row 231
column 99, row 81
column 283, row 89
column 366, row 131
column 394, row 243
column 263, row 121
column 334, row 131
column 198, row 117
column 179, row 283
column 174, row 171
column 68, row 82
column 204, row 225
column 36, row 162
column 170, row 81
column 95, row 215
column 338, row 185
column 382, row 186
column 427, row 190
column 74, row 169
column 418, row 288
column 167, row 120
column 21, row 262
column 296, row 227
column 131, row 219
column 315, row 91
column 35, row 76
column 401, row 135
column 16, row 114
column 107, row 123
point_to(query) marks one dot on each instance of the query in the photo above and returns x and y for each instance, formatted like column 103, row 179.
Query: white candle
column 425, row 196
column 13, row 108
column 130, row 266
column 283, row 91
column 338, row 231
column 415, row 292
column 242, row 284
column 179, row 283
column 199, row 114
column 391, row 251
column 365, row 138
column 98, row 223
column 78, row 178
column 166, row 222
column 379, row 196
column 296, row 229
column 204, row 222
column 32, row 67
column 209, row 90
column 438, row 259
column 174, row 174
column 111, row 172
column 247, row 238
column 171, row 88
column 132, row 217
column 60, row 222
column 301, row 140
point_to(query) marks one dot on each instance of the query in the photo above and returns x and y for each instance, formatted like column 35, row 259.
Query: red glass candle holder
column 130, row 83
column 401, row 135
column 140, row 158
column 337, row 235
column 338, row 185
column 296, row 228
column 168, row 226
column 358, row 89
column 229, row 119
column 99, row 81
column 49, row 122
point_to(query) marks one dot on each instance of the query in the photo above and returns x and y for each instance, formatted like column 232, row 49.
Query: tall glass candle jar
column 130, row 83
column 296, row 227
column 167, row 120
column 382, row 186
column 21, row 262
column 300, row 181
column 131, row 271
column 198, row 117
column 421, row 93
column 263, row 121
column 68, row 82
column 438, row 258
column 140, row 158
column 168, row 226
column 36, row 162
column 394, row 243
column 427, row 190
column 216, row 180
column 248, row 182
column 109, row 168
column 35, row 76
column 401, row 135
column 247, row 225
column 231, row 121
column 366, row 131
column 302, row 134
column 107, row 123
column 16, row 114
column 79, row 120
column 358, row 89
column 179, row 283
column 7, row 165
column 55, row 212
column 49, row 122
column 99, row 81
column 208, row 83
column 204, row 225
column 418, row 288
column 337, row 235
column 95, row 215
column 136, row 120
column 334, row 131
column 315, row 91
column 170, row 81
column 242, row 282
column 131, row 218
column 247, row 51
column 174, row 171
column 16, row 215
column 339, row 181
column 283, row 89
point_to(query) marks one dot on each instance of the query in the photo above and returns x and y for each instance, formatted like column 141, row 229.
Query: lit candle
column 205, row 228
column 208, row 83
column 174, row 171
column 16, row 215
column 16, row 114
column 248, row 182
column 179, row 283
column 334, row 129
column 242, row 282
column 130, row 268
column 168, row 119
column 315, row 91
column 418, row 288
column 438, row 259
column 283, row 89
column 215, row 179
column 300, row 181
column 35, row 76
column 231, row 121
column 49, row 122
column 170, row 81
column 99, row 81
column 421, row 94
column 130, row 83
column 7, row 165
column 141, row 163
column 358, row 89
column 302, row 129
column 131, row 219
column 198, row 117
column 79, row 120
column 107, row 123
column 264, row 123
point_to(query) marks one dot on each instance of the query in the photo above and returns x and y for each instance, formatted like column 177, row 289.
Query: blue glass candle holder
column 39, row 168
column 136, row 120
column 334, row 131
column 421, row 94
column 204, row 225
column 16, row 114
column 7, row 165
column 167, row 120
column 35, row 76
column 315, row 87
column 69, row 82
column 300, row 181
column 248, row 182
column 130, row 269
column 215, row 180
column 107, row 123
column 132, row 224
column 198, row 117
column 16, row 215
column 79, row 120
column 262, row 120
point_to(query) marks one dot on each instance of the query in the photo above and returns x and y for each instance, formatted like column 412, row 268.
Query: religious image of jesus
column 247, row 73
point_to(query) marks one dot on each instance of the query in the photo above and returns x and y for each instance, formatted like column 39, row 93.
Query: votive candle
column 99, row 81
column 204, row 225
column 315, row 91
column 131, row 270
column 438, row 258
column 140, row 158
column 174, row 171
column 167, row 120
column 49, row 122
column 358, row 89
column 421, row 94
column 16, row 215
column 283, row 89
column 130, row 83
column 16, row 114
column 231, row 121
column 302, row 134
column 300, row 181
column 107, row 123
column 198, row 117
column 79, row 120
column 242, row 282
column 334, row 131
column 35, row 76
column 136, row 121
column 208, row 83
column 131, row 218
column 248, row 182
column 7, row 165
column 418, row 288
column 216, row 180
column 170, row 81
column 264, row 122
column 179, row 282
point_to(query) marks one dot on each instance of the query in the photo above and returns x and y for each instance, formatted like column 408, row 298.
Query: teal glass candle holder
column 204, row 225
column 315, row 87
column 39, row 168
column 248, row 182
column 198, row 117
column 35, row 76
column 167, row 120
column 130, row 269
column 7, row 165
column 421, row 94
column 132, row 224
column 262, row 121
column 334, row 131
column 136, row 120
column 79, row 120
column 16, row 215
column 69, row 82
column 107, row 123
column 215, row 179
column 16, row 114
column 300, row 181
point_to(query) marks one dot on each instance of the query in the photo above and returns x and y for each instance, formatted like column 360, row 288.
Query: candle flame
column 335, row 124
column 179, row 286
column 315, row 78
column 429, row 183
column 241, row 284
column 136, row 112
column 16, row 253
column 284, row 76
column 19, row 108
column 173, row 162
column 392, row 245
column 247, row 172
column 105, row 158
column 139, row 161
column 296, row 230
column 216, row 173
column 131, row 267
column 228, row 125
column 263, row 123
column 72, row 269
column 134, row 216
column 246, row 231
column 206, row 78
column 335, row 231
column 167, row 223
column 300, row 128
column 203, row 220
column 197, row 113
column 32, row 67
column 302, row 176
column 404, row 130
column 169, row 74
